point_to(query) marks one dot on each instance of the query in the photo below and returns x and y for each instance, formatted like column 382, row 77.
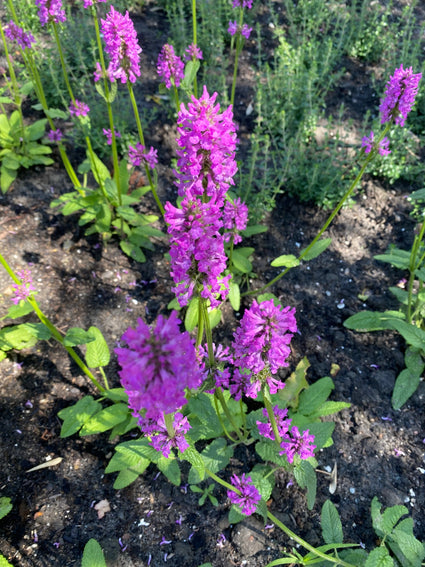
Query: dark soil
column 378, row 451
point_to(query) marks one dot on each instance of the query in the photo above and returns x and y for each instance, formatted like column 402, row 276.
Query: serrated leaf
column 234, row 295
column 379, row 557
column 170, row 468
column 38, row 330
column 93, row 555
column 76, row 336
column 366, row 321
column 235, row 515
column 331, row 523
column 318, row 247
column 263, row 480
column 295, row 384
column 7, row 177
column 411, row 548
column 315, row 395
column 411, row 334
column 406, row 384
column 125, row 478
column 97, row 353
column 240, row 262
column 132, row 251
column 105, row 419
column 328, row 408
column 269, row 453
column 215, row 457
column 5, row 506
column 76, row 416
column 16, row 311
column 306, row 477
column 286, row 260
column 198, row 464
column 16, row 337
column 99, row 169
column 192, row 315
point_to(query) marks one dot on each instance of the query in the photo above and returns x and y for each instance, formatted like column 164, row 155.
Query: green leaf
column 174, row 304
column 126, row 477
column 36, row 130
column 190, row 72
column 411, row 334
column 214, row 316
column 132, row 251
column 192, row 315
column 379, row 557
column 306, row 477
column 234, row 295
column 322, row 431
column 38, row 330
column 198, row 463
column 99, row 169
column 170, row 468
column 17, row 337
column 328, row 408
column 240, row 262
column 287, row 260
column 105, row 419
column 366, row 321
column 263, row 480
column 76, row 416
column 315, row 395
column 411, row 548
column 5, row 100
column 16, row 311
column 5, row 506
column 54, row 113
column 396, row 257
column 295, row 384
column 401, row 294
column 216, row 456
column 4, row 562
column 331, row 523
column 406, row 384
column 269, row 453
column 383, row 524
column 254, row 229
column 93, row 555
column 318, row 247
column 7, row 177
column 11, row 163
column 76, row 336
column 97, row 353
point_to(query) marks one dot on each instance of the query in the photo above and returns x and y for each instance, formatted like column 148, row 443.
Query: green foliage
column 5, row 506
column 20, row 147
column 93, row 555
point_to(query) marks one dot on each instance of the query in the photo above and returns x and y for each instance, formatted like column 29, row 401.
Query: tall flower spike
column 399, row 96
column 23, row 290
column 122, row 46
column 207, row 145
column 15, row 33
column 160, row 437
column 170, row 67
column 50, row 11
column 157, row 365
column 249, row 496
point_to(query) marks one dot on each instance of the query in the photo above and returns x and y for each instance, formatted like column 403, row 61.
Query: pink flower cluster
column 399, row 96
column 23, row 290
column 108, row 133
column 262, row 340
column 242, row 4
column 244, row 30
column 247, row 497
column 292, row 441
column 193, row 52
column 139, row 155
column 170, row 67
column 78, row 108
column 88, row 3
column 161, row 440
column 55, row 135
column 22, row 38
column 50, row 11
column 122, row 46
column 157, row 365
column 205, row 170
column 368, row 143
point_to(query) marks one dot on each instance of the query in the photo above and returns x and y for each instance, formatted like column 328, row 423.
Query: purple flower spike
column 78, row 108
column 248, row 497
column 193, row 52
column 50, row 11
column 242, row 3
column 23, row 290
column 55, row 135
column 233, row 28
column 122, row 46
column 399, row 96
column 138, row 155
column 246, row 31
column 157, row 365
column 262, row 340
column 170, row 67
column 282, row 422
column 235, row 219
column 88, row 3
column 108, row 134
column 368, row 143
column 161, row 440
column 22, row 38
column 297, row 443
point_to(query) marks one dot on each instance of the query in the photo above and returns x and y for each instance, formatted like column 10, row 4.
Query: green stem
column 219, row 394
column 306, row 545
column 168, row 419
column 235, row 69
column 413, row 264
column 54, row 331
column 195, row 41
column 15, row 86
column 142, row 141
column 176, row 98
column 269, row 408
column 328, row 220
column 62, row 60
